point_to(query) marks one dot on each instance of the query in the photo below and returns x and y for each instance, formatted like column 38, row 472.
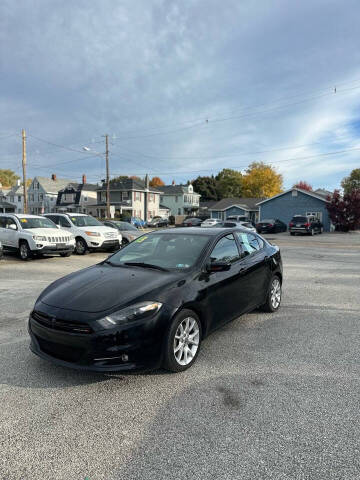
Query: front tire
column 24, row 251
column 66, row 254
column 273, row 299
column 81, row 247
column 182, row 343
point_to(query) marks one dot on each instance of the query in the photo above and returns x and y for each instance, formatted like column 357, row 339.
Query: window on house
column 19, row 198
column 176, row 198
column 317, row 215
column 85, row 199
column 179, row 211
column 41, row 196
column 12, row 199
column 125, row 195
column 294, row 193
column 137, row 196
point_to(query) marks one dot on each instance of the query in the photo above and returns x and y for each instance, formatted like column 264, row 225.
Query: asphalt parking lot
column 272, row 396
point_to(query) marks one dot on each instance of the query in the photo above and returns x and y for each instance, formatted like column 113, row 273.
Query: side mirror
column 57, row 226
column 218, row 266
column 12, row 226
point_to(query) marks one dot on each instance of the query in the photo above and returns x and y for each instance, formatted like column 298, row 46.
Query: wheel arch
column 196, row 308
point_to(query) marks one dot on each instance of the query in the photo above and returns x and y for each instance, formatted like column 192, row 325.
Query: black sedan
column 157, row 222
column 192, row 222
column 152, row 303
column 271, row 226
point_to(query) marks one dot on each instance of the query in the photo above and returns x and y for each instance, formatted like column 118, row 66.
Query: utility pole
column 24, row 170
column 107, row 177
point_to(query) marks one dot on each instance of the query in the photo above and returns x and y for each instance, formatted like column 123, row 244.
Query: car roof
column 20, row 215
column 201, row 231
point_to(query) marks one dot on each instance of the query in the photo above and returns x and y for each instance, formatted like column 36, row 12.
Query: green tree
column 8, row 178
column 261, row 180
column 352, row 182
column 207, row 187
column 229, row 183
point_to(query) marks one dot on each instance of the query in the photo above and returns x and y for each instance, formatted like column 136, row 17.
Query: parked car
column 137, row 222
column 1, row 251
column 89, row 233
column 211, row 222
column 248, row 226
column 305, row 224
column 157, row 222
column 237, row 218
column 174, row 287
column 128, row 231
column 192, row 222
column 33, row 235
column 271, row 226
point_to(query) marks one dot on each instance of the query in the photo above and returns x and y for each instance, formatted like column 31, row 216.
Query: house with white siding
column 43, row 193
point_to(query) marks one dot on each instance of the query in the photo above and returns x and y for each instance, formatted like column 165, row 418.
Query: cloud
column 185, row 87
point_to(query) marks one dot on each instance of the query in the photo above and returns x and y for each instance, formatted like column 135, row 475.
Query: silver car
column 128, row 231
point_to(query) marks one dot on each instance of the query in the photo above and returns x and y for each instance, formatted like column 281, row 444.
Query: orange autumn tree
column 261, row 180
column 156, row 182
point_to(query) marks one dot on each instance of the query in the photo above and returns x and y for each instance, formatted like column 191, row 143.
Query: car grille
column 56, row 324
column 110, row 235
column 60, row 351
column 58, row 239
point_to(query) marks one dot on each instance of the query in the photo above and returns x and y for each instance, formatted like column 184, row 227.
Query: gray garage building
column 296, row 202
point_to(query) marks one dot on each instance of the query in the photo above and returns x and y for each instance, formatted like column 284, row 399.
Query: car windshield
column 299, row 219
column 125, row 226
column 85, row 221
column 36, row 222
column 165, row 251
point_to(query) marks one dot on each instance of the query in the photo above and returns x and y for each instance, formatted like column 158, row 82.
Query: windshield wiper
column 146, row 265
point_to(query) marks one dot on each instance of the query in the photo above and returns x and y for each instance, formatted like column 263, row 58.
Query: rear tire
column 24, row 251
column 81, row 247
column 67, row 254
column 273, row 299
column 182, row 343
column 312, row 232
column 292, row 234
column 124, row 242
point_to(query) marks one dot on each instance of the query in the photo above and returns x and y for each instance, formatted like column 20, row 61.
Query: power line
column 210, row 121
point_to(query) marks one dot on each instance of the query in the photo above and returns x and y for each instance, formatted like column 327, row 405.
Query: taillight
column 291, row 224
column 307, row 224
column 270, row 225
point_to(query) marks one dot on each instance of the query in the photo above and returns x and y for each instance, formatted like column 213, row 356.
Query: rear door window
column 225, row 250
column 249, row 242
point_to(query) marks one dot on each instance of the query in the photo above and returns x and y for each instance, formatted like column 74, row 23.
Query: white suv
column 34, row 235
column 89, row 233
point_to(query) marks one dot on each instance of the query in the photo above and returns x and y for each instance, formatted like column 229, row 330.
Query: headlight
column 39, row 238
column 138, row 311
column 93, row 234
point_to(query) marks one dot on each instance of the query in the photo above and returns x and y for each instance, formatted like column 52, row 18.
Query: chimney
column 18, row 183
column 173, row 182
column 53, row 177
column 84, row 178
column 147, row 182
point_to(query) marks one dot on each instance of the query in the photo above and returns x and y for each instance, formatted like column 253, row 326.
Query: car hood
column 102, row 287
column 99, row 228
column 48, row 232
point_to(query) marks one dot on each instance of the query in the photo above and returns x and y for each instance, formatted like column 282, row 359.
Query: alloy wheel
column 275, row 293
column 80, row 247
column 24, row 254
column 186, row 341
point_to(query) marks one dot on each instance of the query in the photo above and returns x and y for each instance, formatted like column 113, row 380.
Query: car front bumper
column 50, row 250
column 135, row 346
column 106, row 244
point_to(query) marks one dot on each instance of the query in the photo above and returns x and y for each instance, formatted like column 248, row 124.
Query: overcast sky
column 182, row 87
